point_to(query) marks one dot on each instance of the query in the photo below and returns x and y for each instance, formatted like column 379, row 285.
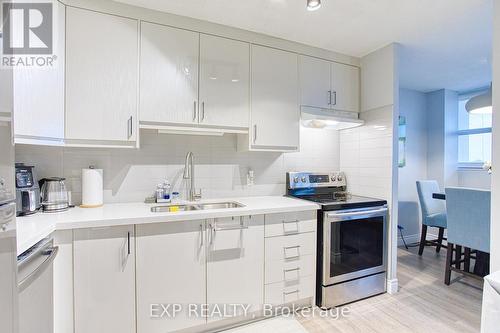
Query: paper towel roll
column 92, row 192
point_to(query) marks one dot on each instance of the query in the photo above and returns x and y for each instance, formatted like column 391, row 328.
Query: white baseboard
column 392, row 286
column 411, row 239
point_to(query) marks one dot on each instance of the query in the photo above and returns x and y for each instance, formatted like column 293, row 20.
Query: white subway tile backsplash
column 366, row 155
column 221, row 171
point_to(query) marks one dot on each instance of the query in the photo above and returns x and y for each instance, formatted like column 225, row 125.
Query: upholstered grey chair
column 433, row 213
column 468, row 226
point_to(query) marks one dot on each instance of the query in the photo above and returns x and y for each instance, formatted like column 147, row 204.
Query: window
column 474, row 135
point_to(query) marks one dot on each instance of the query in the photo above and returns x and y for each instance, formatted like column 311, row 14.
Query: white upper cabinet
column 224, row 82
column 315, row 82
column 275, row 112
column 329, row 85
column 169, row 75
column 345, row 87
column 101, row 76
column 38, row 95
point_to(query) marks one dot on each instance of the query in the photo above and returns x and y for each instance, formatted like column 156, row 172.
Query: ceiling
column 445, row 43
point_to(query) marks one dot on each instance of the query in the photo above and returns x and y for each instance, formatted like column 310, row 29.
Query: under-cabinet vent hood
column 329, row 119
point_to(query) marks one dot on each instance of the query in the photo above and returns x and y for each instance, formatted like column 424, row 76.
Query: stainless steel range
column 352, row 238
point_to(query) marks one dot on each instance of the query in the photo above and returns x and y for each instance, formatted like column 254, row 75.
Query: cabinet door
column 345, row 87
column 170, row 270
column 104, row 280
column 101, row 76
column 169, row 74
column 39, row 95
column 224, row 82
column 275, row 112
column 235, row 262
column 314, row 75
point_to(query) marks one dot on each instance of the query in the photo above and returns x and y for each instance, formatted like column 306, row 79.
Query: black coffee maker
column 27, row 190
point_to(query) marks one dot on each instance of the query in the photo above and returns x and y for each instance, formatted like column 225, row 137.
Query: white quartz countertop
column 33, row 228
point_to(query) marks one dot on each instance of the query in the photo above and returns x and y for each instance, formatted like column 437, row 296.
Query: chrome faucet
column 189, row 174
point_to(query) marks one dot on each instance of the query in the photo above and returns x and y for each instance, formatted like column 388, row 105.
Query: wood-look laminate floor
column 424, row 303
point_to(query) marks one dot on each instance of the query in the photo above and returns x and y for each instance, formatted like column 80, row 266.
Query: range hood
column 328, row 119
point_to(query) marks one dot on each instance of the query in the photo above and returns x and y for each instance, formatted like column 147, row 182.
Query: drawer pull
column 296, row 256
column 288, row 227
column 295, row 277
column 286, row 293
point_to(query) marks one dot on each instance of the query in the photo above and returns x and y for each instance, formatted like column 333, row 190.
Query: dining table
column 482, row 264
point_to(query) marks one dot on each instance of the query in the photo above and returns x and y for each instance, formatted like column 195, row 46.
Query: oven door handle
column 368, row 213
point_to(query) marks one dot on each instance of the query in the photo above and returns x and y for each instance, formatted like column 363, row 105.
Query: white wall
column 442, row 142
column 368, row 154
column 413, row 106
column 130, row 175
column 495, row 180
column 474, row 179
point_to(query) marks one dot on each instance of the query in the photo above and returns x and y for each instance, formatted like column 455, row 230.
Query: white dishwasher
column 35, row 276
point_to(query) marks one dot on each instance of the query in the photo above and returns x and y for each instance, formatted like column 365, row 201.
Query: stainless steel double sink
column 194, row 206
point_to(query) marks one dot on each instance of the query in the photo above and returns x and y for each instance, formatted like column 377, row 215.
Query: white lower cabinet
column 290, row 262
column 170, row 270
column 235, row 264
column 104, row 280
column 188, row 275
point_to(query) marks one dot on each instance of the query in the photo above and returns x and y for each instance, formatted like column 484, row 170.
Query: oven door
column 354, row 243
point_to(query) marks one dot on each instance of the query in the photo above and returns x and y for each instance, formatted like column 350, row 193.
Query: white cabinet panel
column 290, row 247
column 315, row 85
column 290, row 223
column 104, row 280
column 101, row 76
column 224, row 82
column 345, row 87
column 39, row 94
column 290, row 271
column 170, row 269
column 235, row 270
column 169, row 75
column 275, row 112
column 291, row 293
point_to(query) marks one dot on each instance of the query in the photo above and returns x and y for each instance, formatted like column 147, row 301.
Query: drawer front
column 291, row 247
column 290, row 223
column 284, row 293
column 291, row 270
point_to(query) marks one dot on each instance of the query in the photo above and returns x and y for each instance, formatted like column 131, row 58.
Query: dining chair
column 468, row 226
column 433, row 213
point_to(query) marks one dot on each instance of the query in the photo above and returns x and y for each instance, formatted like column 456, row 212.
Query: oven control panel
column 315, row 179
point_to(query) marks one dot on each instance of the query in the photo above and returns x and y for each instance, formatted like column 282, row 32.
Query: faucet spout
column 189, row 174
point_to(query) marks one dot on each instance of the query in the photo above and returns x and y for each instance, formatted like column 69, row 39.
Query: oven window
column 356, row 245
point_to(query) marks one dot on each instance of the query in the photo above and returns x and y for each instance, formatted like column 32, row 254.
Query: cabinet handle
column 290, row 248
column 211, row 234
column 202, row 111
column 334, row 97
column 129, row 127
column 286, row 293
column 128, row 243
column 201, row 235
column 194, row 111
column 289, row 271
column 329, row 97
column 254, row 133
